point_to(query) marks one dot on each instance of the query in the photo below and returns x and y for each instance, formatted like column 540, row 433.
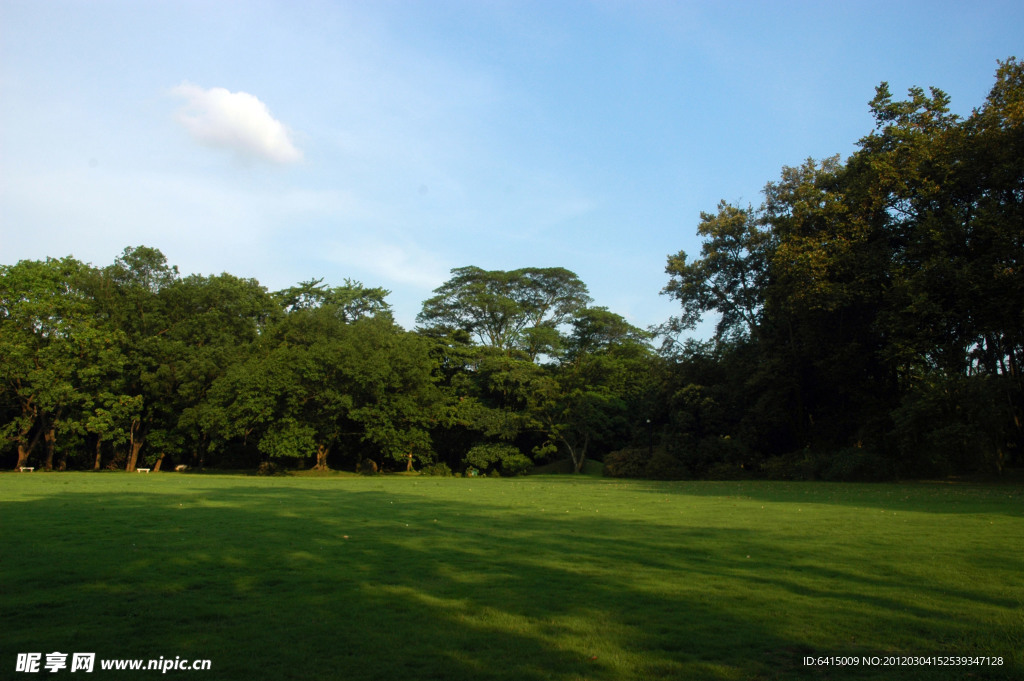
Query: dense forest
column 870, row 325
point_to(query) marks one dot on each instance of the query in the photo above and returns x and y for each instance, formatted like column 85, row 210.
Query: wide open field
column 548, row 577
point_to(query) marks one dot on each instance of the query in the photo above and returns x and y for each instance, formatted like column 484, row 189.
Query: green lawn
column 545, row 577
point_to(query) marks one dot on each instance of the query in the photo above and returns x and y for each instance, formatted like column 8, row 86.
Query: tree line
column 133, row 365
column 869, row 324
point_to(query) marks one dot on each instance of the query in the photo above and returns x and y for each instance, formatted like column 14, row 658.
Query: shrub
column 626, row 463
column 954, row 425
column 497, row 456
column 800, row 465
column 437, row 469
column 856, row 464
column 664, row 466
column 727, row 471
column 367, row 467
column 269, row 468
column 640, row 462
column 516, row 464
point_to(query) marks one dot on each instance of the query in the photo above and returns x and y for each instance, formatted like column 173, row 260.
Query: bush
column 727, row 471
column 367, row 467
column 437, row 469
column 664, row 466
column 639, row 462
column 948, row 425
column 496, row 456
column 626, row 463
column 856, row 464
column 517, row 464
column 800, row 465
column 269, row 468
column 725, row 455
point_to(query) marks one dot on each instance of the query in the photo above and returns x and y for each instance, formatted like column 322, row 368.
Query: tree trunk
column 133, row 455
column 321, row 457
column 50, row 439
column 579, row 457
column 25, row 447
column 99, row 455
column 579, row 460
column 134, row 445
column 23, row 453
column 156, row 466
column 31, row 446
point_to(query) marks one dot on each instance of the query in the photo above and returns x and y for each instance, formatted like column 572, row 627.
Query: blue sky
column 389, row 142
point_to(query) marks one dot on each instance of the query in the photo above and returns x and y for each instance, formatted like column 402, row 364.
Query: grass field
column 545, row 577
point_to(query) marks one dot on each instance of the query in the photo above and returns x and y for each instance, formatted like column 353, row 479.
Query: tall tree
column 514, row 310
column 350, row 302
column 729, row 277
column 213, row 323
column 875, row 298
column 582, row 402
column 130, row 294
column 318, row 384
column 952, row 193
column 50, row 341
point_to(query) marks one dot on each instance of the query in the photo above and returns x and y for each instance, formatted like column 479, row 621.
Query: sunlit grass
column 549, row 577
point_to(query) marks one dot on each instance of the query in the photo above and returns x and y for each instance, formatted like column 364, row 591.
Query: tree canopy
column 516, row 310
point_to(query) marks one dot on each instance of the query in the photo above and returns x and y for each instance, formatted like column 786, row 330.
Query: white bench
column 26, row 469
column 142, row 470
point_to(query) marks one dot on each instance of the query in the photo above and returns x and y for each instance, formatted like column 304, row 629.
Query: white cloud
column 236, row 121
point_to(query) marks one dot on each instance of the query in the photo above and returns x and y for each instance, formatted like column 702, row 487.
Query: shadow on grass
column 925, row 497
column 275, row 582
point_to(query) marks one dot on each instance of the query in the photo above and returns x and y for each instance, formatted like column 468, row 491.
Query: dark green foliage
column 857, row 464
column 269, row 468
column 871, row 311
column 135, row 365
column 626, row 463
column 958, row 424
column 637, row 462
column 801, row 465
column 437, row 469
column 319, row 385
column 580, row 400
column 498, row 457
